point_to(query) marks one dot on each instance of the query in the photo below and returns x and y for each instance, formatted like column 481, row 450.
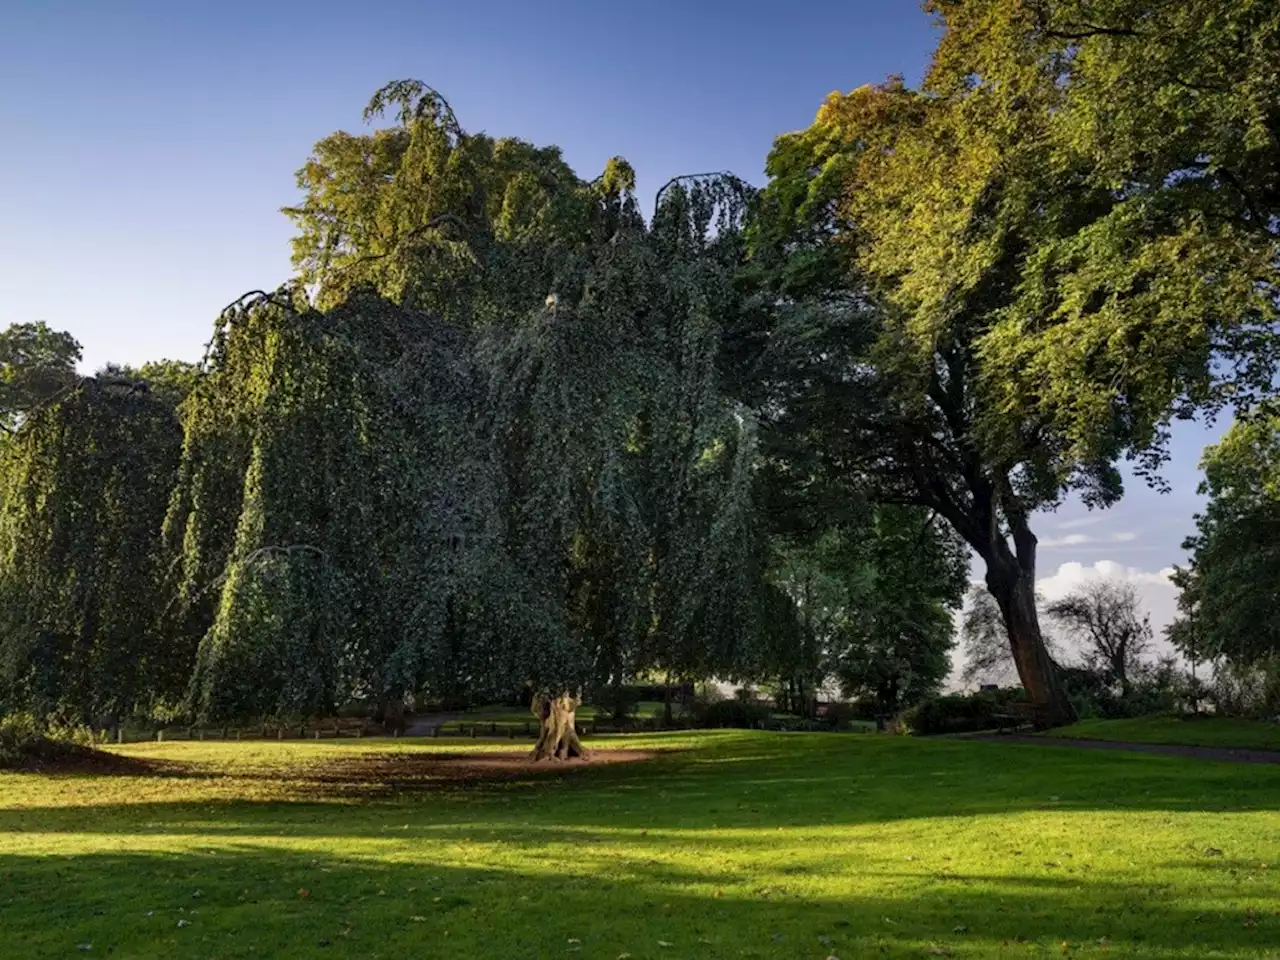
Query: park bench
column 1014, row 715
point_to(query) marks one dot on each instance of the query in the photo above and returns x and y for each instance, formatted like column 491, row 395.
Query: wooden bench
column 1020, row 713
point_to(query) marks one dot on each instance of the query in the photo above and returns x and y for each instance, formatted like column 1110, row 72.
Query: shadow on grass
column 736, row 781
column 255, row 901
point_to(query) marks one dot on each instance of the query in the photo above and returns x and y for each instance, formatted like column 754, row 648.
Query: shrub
column 737, row 714
column 958, row 713
column 1247, row 691
column 843, row 716
column 1159, row 688
column 617, row 702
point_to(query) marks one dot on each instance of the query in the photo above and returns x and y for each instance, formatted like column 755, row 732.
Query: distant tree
column 895, row 648
column 869, row 606
column 1229, row 599
column 1104, row 616
column 36, row 363
column 817, row 586
column 170, row 380
column 987, row 657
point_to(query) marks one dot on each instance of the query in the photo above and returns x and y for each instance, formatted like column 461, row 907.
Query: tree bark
column 558, row 737
column 1014, row 590
column 391, row 714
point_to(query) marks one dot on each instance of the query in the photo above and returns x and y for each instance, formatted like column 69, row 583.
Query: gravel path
column 1224, row 754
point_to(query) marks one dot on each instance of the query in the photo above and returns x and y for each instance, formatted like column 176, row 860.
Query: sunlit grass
column 726, row 845
column 1189, row 731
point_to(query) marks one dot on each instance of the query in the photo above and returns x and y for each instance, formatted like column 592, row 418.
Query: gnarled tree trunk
column 558, row 737
column 1011, row 579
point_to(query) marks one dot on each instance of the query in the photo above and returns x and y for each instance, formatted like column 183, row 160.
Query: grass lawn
column 731, row 844
column 1192, row 731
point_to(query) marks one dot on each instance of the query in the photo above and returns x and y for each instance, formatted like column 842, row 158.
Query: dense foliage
column 502, row 431
column 87, row 481
column 1229, row 600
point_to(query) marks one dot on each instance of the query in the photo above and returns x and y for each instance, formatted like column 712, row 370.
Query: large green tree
column 480, row 444
column 1027, row 292
column 336, row 528
column 86, row 482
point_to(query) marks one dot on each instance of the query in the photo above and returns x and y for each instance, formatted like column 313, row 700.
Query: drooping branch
column 413, row 97
column 721, row 176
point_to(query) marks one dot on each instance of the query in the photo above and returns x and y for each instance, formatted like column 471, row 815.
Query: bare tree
column 984, row 639
column 1105, row 617
column 987, row 656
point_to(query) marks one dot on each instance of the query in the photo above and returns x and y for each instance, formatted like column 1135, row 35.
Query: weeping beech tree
column 640, row 512
column 336, row 524
column 86, row 480
column 480, row 444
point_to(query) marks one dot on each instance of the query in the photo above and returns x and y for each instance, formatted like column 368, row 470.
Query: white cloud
column 1068, row 576
column 1089, row 521
column 1083, row 539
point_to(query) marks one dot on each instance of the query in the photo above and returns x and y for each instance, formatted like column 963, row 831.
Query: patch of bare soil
column 411, row 770
column 352, row 776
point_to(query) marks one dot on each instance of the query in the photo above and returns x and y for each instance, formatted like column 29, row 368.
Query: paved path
column 1224, row 754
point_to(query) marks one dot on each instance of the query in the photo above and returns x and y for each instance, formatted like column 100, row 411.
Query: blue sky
column 149, row 145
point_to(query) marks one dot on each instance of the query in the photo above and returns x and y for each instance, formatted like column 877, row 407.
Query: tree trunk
column 391, row 714
column 1015, row 593
column 558, row 738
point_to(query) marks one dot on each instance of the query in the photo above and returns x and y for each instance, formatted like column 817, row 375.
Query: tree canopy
column 503, row 431
column 36, row 363
column 984, row 294
column 1230, row 590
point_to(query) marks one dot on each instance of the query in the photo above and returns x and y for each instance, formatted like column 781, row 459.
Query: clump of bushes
column 737, row 714
column 959, row 713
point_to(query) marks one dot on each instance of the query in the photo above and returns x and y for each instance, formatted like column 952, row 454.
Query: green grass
column 731, row 844
column 1188, row 731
